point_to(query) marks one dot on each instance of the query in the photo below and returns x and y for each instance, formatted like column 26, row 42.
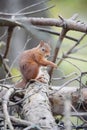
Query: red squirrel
column 31, row 60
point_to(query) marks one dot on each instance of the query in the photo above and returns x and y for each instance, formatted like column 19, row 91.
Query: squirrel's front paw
column 55, row 66
column 42, row 79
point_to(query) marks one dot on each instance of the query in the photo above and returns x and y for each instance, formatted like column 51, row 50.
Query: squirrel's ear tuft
column 41, row 43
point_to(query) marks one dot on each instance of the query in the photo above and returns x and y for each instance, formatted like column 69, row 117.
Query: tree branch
column 59, row 42
column 71, row 24
column 26, row 13
column 5, row 101
column 71, row 50
column 54, row 33
column 9, row 36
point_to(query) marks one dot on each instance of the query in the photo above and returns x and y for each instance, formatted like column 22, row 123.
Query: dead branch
column 39, row 99
column 57, row 96
column 71, row 50
column 36, row 108
column 61, row 37
column 6, row 67
column 70, row 23
column 78, row 42
column 10, row 31
column 26, row 13
column 30, row 6
column 55, row 33
column 4, row 103
column 9, row 36
column 67, row 112
column 57, row 48
column 18, row 121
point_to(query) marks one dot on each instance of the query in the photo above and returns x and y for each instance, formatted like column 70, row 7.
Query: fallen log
column 36, row 106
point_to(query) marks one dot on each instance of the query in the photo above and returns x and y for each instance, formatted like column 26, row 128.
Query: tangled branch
column 33, row 22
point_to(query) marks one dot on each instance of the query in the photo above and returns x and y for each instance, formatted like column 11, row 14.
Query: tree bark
column 70, row 24
column 41, row 102
column 37, row 108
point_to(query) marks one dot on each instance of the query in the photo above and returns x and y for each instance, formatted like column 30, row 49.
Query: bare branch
column 64, row 77
column 55, row 33
column 8, row 78
column 33, row 5
column 74, row 17
column 26, row 13
column 71, row 49
column 59, row 42
column 7, row 69
column 67, row 112
column 5, row 101
column 18, row 121
column 71, row 64
column 68, row 82
column 75, row 58
column 10, row 31
column 71, row 24
column 3, row 35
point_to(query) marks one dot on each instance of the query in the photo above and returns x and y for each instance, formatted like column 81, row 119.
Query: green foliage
column 68, row 7
column 15, row 72
column 2, row 44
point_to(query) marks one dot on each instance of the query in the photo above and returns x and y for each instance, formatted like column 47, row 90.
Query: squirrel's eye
column 43, row 49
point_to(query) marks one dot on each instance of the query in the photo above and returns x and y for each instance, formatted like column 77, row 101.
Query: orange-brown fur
column 31, row 60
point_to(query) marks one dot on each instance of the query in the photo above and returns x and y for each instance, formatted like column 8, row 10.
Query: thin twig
column 77, row 113
column 8, row 78
column 27, row 13
column 57, row 48
column 74, row 17
column 10, row 31
column 66, row 76
column 75, row 58
column 71, row 49
column 80, row 48
column 28, row 95
column 33, row 5
column 54, row 33
column 17, row 57
column 3, row 35
column 65, row 29
column 6, row 86
column 4, row 104
column 7, row 69
column 67, row 112
column 18, row 121
column 33, row 127
column 68, row 82
column 71, row 64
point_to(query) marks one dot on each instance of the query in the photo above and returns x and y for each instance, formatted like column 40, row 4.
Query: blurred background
column 65, row 8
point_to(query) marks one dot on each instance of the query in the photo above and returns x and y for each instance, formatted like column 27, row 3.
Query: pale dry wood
column 42, row 101
column 5, row 110
column 71, row 24
column 18, row 121
column 57, row 98
column 36, row 107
